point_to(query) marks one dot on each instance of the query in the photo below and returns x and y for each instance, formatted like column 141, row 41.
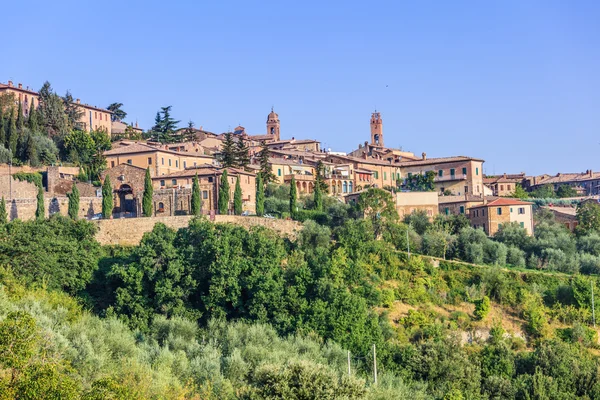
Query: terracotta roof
column 364, row 161
column 16, row 88
column 463, row 199
column 203, row 170
column 437, row 161
column 145, row 148
column 569, row 177
column 505, row 202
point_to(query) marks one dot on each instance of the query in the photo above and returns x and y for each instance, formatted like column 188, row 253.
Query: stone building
column 407, row 203
column 491, row 216
column 175, row 189
column 161, row 160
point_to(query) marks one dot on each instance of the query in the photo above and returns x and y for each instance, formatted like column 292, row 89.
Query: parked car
column 268, row 216
column 96, row 217
column 245, row 213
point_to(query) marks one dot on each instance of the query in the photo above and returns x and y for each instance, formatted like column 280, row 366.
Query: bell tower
column 376, row 129
column 273, row 125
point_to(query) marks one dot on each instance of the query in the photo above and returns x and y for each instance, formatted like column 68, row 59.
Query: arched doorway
column 126, row 206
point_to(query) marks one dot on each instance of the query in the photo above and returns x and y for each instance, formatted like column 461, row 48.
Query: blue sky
column 513, row 82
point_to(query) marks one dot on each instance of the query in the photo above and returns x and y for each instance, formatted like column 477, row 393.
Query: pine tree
column 13, row 134
column 147, row 198
column 3, row 213
column 73, row 209
column 40, row 210
column 224, row 194
column 260, row 195
column 293, row 196
column 266, row 169
column 242, row 153
column 107, row 198
column 196, row 201
column 228, row 151
column 189, row 134
column 237, row 198
column 32, row 122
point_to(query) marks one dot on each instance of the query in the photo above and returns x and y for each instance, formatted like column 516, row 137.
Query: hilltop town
column 82, row 145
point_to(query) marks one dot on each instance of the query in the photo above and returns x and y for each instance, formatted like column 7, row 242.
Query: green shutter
column 464, row 171
column 440, row 173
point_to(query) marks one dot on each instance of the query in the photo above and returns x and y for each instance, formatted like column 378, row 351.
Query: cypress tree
column 293, row 196
column 40, row 210
column 74, row 203
column 224, row 194
column 20, row 118
column 13, row 134
column 319, row 187
column 107, row 198
column 260, row 195
column 32, row 122
column 30, row 151
column 147, row 199
column 3, row 213
column 196, row 201
column 237, row 198
column 2, row 128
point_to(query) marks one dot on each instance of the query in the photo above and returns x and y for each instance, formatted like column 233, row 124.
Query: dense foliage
column 219, row 311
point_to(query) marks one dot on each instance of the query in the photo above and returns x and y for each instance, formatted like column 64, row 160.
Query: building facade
column 491, row 216
column 160, row 160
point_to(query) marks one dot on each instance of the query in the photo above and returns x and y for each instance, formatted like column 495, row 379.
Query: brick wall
column 129, row 232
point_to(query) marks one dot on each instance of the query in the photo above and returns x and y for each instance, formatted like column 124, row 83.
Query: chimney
column 591, row 173
column 20, row 86
column 10, row 83
column 504, row 175
column 424, row 155
column 78, row 101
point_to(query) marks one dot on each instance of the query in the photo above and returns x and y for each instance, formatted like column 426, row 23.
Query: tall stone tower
column 376, row 129
column 273, row 125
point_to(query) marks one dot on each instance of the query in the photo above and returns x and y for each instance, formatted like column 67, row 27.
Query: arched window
column 161, row 207
column 350, row 187
column 345, row 187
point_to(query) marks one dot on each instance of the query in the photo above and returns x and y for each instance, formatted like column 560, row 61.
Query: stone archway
column 125, row 204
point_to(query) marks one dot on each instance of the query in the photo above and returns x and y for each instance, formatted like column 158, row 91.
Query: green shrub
column 482, row 308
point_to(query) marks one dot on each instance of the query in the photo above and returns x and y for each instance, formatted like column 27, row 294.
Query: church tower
column 273, row 125
column 376, row 129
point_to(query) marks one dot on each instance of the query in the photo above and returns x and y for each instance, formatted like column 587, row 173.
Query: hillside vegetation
column 218, row 310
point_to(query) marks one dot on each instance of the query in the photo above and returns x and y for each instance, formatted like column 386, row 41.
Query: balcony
column 449, row 178
column 299, row 178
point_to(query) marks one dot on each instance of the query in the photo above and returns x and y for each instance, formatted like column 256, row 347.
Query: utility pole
column 375, row 363
column 349, row 371
column 408, row 241
column 593, row 308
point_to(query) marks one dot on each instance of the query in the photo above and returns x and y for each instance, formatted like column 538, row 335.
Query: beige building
column 585, row 183
column 121, row 128
column 92, row 117
column 25, row 95
column 491, row 216
column 455, row 205
column 459, row 174
column 161, row 161
column 503, row 185
column 410, row 202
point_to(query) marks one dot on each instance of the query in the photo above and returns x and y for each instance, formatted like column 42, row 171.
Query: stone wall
column 24, row 209
column 129, row 231
column 19, row 189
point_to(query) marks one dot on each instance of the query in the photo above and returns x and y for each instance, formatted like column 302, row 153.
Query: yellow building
column 160, row 160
